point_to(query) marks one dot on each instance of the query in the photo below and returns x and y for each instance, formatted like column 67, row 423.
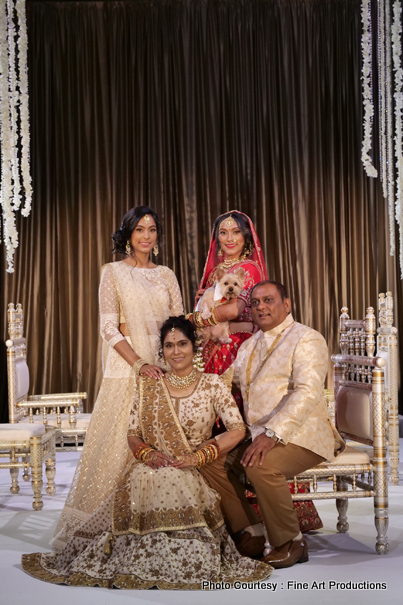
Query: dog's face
column 231, row 284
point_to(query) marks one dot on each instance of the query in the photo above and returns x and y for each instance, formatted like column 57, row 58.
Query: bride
column 162, row 526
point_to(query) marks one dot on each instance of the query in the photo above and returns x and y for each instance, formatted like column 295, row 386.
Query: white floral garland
column 366, row 47
column 14, row 121
column 382, row 94
column 389, row 127
column 398, row 97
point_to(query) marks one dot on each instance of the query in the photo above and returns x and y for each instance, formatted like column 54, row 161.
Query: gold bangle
column 138, row 365
column 213, row 317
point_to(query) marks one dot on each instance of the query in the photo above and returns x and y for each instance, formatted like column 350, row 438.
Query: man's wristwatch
column 270, row 433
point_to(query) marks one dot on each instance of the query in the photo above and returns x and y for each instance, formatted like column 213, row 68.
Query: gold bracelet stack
column 207, row 454
column 138, row 365
column 199, row 322
column 142, row 451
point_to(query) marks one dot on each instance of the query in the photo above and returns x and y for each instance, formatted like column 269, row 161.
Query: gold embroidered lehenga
column 164, row 527
column 142, row 299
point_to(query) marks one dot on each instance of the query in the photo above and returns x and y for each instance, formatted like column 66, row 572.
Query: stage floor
column 334, row 558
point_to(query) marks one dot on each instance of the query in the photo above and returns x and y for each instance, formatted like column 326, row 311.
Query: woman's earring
column 128, row 248
column 248, row 249
column 155, row 250
column 220, row 252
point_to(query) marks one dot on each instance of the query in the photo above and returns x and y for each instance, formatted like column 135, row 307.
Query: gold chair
column 387, row 348
column 59, row 411
column 34, row 446
column 352, row 335
column 360, row 416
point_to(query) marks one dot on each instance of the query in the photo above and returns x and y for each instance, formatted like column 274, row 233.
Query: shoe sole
column 303, row 559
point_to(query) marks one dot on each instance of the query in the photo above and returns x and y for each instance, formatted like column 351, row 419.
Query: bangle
column 142, row 451
column 138, row 365
column 207, row 454
column 199, row 322
column 213, row 317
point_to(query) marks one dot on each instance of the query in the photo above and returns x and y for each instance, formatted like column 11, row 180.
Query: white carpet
column 334, row 558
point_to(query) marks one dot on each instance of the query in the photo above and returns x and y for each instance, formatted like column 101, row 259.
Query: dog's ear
column 240, row 272
column 220, row 273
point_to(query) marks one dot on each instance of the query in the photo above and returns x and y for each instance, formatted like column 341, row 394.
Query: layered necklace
column 179, row 382
column 230, row 262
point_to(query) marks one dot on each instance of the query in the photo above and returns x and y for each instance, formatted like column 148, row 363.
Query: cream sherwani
column 286, row 395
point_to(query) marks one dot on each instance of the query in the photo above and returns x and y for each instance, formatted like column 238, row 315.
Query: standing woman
column 234, row 244
column 135, row 298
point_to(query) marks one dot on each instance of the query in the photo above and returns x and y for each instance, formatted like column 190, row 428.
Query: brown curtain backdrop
column 193, row 107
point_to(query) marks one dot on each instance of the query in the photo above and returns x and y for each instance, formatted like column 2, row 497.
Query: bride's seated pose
column 162, row 526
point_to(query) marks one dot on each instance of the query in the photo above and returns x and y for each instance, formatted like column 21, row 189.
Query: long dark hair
column 129, row 222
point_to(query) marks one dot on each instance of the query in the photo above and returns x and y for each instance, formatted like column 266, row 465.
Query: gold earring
column 128, row 248
column 220, row 252
column 155, row 250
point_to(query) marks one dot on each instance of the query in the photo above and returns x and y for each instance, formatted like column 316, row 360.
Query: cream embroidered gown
column 142, row 299
column 163, row 527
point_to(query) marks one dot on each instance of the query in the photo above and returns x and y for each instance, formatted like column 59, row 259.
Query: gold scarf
column 159, row 423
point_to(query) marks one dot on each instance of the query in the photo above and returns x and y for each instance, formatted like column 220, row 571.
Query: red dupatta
column 212, row 259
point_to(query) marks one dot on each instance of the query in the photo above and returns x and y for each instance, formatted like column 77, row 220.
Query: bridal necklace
column 230, row 262
column 179, row 382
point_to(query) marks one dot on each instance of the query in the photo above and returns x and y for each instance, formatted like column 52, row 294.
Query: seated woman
column 162, row 526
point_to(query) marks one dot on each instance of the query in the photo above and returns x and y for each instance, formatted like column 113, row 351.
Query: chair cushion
column 83, row 420
column 354, row 412
column 16, row 432
column 21, row 379
column 385, row 356
column 350, row 456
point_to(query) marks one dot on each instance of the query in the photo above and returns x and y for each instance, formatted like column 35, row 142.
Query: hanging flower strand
column 14, row 121
column 398, row 97
column 366, row 47
column 22, row 45
column 389, row 130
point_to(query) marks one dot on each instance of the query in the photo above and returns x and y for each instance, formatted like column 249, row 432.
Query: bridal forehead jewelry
column 229, row 222
column 147, row 219
column 172, row 330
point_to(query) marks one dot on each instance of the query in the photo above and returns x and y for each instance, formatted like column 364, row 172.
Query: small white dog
column 229, row 286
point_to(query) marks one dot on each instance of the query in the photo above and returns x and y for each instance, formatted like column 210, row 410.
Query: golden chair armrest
column 47, row 407
column 67, row 396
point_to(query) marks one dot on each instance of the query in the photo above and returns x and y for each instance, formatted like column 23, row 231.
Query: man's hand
column 257, row 450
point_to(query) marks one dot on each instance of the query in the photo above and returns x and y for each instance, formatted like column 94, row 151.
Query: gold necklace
column 266, row 357
column 228, row 263
column 179, row 382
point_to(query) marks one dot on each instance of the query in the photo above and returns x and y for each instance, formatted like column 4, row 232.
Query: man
column 281, row 370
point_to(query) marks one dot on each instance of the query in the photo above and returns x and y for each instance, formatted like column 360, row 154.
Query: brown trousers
column 270, row 484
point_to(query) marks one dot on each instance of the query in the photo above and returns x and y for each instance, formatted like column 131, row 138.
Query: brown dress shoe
column 295, row 552
column 250, row 546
